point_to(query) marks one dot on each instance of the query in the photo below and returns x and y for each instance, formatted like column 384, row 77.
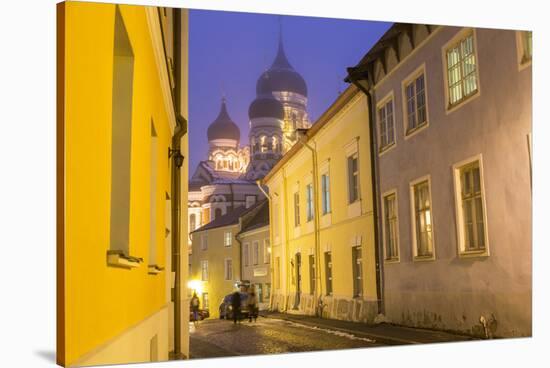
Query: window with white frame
column 423, row 221
column 227, row 238
column 386, row 124
column 325, row 193
column 390, row 227
column 296, row 209
column 204, row 270
column 471, row 211
column 415, row 99
column 309, row 202
column 267, row 251
column 255, row 252
column 228, row 269
column 204, row 241
column 353, row 178
column 246, row 254
column 461, row 69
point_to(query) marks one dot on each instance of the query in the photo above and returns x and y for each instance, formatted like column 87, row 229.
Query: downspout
column 271, row 276
column 315, row 174
column 354, row 78
column 286, row 257
column 177, row 162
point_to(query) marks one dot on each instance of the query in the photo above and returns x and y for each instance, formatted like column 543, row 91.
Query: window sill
column 117, row 258
column 155, row 269
column 474, row 254
column 411, row 133
column 391, row 260
column 427, row 258
column 459, row 104
column 386, row 148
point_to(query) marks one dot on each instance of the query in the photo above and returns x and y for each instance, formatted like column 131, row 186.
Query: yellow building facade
column 322, row 224
column 115, row 126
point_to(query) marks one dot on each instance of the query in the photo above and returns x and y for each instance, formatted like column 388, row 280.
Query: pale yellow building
column 322, row 227
column 216, row 257
column 120, row 110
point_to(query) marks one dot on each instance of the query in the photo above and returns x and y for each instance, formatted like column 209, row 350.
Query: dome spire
column 281, row 62
column 223, row 127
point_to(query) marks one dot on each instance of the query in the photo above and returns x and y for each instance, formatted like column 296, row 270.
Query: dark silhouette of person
column 236, row 304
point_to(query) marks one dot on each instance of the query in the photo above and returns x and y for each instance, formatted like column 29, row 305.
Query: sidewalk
column 384, row 333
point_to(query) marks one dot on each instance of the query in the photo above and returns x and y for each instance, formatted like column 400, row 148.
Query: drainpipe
column 318, row 291
column 177, row 162
column 271, row 276
column 355, row 77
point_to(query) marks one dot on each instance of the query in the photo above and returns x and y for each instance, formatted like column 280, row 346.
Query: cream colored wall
column 259, row 235
column 216, row 286
column 338, row 232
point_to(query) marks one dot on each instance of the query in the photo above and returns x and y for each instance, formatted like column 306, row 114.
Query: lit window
column 461, row 70
column 228, row 238
column 386, row 123
column 390, row 227
column 415, row 93
column 263, row 144
column 423, row 227
column 471, row 212
column 309, row 202
column 353, row 178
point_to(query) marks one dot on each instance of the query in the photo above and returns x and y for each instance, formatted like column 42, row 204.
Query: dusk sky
column 228, row 51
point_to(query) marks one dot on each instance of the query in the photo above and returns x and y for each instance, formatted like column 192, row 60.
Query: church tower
column 223, row 140
column 279, row 109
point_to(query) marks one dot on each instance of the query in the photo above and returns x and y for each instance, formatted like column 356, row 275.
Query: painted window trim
column 225, row 238
column 522, row 62
column 412, row 183
column 225, row 269
column 352, row 148
column 461, row 34
column 324, row 169
column 458, row 209
column 411, row 77
column 384, row 195
column 383, row 101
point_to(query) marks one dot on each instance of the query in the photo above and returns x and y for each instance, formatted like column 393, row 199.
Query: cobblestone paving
column 218, row 338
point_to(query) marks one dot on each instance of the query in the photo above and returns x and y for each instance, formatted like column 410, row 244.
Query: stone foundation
column 334, row 307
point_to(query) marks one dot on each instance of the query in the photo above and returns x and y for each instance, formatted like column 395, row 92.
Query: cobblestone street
column 219, row 338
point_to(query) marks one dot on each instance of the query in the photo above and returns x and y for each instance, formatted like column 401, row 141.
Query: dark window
column 357, row 272
column 328, row 272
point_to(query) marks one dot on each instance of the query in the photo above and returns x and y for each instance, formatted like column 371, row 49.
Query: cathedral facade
column 227, row 179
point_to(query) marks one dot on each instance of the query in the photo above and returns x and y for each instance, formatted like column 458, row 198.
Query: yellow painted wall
column 216, row 286
column 330, row 141
column 103, row 301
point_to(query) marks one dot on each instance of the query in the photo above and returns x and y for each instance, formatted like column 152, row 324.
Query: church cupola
column 223, row 132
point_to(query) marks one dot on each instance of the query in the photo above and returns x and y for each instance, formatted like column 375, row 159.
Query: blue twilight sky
column 228, row 51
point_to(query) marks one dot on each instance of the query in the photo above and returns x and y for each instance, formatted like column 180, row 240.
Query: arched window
column 263, row 143
column 275, row 144
column 217, row 213
column 192, row 222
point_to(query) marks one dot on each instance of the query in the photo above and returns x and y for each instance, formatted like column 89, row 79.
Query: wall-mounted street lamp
column 177, row 156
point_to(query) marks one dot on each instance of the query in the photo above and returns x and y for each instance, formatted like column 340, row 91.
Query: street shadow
column 48, row 355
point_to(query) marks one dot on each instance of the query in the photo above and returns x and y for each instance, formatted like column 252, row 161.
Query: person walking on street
column 195, row 304
column 236, row 304
column 252, row 302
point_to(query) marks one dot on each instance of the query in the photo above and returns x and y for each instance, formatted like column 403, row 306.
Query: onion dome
column 223, row 127
column 266, row 106
column 281, row 76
